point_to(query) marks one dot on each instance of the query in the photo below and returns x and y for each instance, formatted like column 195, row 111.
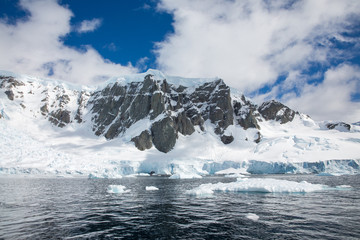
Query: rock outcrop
column 273, row 110
column 341, row 126
column 165, row 109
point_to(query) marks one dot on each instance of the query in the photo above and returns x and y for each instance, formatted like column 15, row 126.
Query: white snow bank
column 117, row 189
column 252, row 216
column 151, row 188
column 264, row 185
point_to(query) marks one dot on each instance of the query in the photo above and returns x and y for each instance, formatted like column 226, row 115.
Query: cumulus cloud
column 250, row 43
column 34, row 46
column 331, row 99
column 89, row 25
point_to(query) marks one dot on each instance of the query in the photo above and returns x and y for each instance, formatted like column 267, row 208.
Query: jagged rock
column 273, row 110
column 143, row 141
column 258, row 137
column 60, row 117
column 184, row 125
column 10, row 82
column 157, row 105
column 246, row 113
column 217, row 96
column 44, row 110
column 10, row 94
column 339, row 126
column 227, row 139
column 164, row 134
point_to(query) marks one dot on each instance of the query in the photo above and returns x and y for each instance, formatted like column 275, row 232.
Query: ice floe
column 252, row 216
column 117, row 189
column 262, row 185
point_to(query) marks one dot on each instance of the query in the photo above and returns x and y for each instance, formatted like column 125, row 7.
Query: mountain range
column 151, row 122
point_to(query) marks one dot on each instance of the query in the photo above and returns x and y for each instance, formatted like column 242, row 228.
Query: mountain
column 152, row 122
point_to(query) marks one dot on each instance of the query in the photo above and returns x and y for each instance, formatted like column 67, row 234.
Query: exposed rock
column 258, row 137
column 227, row 139
column 44, row 110
column 10, row 94
column 157, row 105
column 60, row 117
column 164, row 134
column 341, row 126
column 246, row 113
column 143, row 141
column 184, row 125
column 273, row 110
column 10, row 82
column 216, row 96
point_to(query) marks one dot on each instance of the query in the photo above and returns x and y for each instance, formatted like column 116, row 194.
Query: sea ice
column 252, row 216
column 151, row 188
column 264, row 185
column 117, row 189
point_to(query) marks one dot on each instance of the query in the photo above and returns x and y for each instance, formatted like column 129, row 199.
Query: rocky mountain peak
column 169, row 108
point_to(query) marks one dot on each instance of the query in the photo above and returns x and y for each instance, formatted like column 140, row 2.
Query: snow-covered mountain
column 170, row 125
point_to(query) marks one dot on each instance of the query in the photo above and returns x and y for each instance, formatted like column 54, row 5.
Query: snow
column 252, row 216
column 30, row 145
column 261, row 185
column 151, row 188
column 117, row 189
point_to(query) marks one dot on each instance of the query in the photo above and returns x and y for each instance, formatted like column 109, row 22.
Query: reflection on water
column 82, row 208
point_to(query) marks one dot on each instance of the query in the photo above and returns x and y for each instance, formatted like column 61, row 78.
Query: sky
column 304, row 53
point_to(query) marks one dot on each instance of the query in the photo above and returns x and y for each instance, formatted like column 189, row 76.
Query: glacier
column 60, row 144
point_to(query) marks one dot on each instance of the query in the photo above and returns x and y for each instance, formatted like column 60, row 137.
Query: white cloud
column 34, row 46
column 249, row 43
column 331, row 99
column 89, row 25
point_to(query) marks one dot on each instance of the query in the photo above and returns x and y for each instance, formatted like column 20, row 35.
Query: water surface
column 82, row 208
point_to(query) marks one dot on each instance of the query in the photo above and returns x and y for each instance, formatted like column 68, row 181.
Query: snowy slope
column 56, row 143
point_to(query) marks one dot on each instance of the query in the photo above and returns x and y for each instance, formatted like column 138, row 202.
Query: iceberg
column 117, row 189
column 151, row 188
column 252, row 216
column 261, row 185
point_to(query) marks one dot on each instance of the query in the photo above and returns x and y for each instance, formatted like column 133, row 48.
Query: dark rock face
column 227, row 139
column 338, row 125
column 164, row 134
column 168, row 110
column 60, row 117
column 143, row 141
column 215, row 96
column 10, row 94
column 184, row 125
column 258, row 137
column 246, row 113
column 273, row 110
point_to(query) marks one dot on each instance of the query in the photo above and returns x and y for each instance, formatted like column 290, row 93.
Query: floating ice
column 117, row 189
column 264, row 185
column 151, row 188
column 343, row 187
column 252, row 216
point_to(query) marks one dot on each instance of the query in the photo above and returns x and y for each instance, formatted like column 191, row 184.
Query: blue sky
column 304, row 53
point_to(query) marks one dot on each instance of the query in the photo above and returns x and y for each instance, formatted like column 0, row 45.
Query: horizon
column 264, row 49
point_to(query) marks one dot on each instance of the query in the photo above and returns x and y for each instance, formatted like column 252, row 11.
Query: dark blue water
column 83, row 209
